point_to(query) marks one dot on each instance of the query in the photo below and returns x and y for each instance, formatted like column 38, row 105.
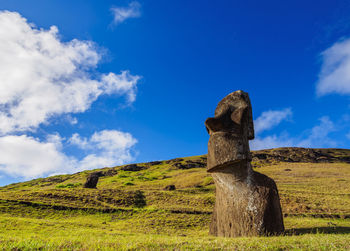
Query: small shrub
column 128, row 183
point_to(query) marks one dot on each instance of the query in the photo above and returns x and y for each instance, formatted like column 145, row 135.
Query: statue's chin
column 228, row 166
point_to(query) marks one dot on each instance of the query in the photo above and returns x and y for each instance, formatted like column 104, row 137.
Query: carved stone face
column 230, row 131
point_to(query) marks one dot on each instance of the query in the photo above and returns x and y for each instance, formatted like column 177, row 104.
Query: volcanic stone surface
column 132, row 167
column 92, row 179
column 247, row 202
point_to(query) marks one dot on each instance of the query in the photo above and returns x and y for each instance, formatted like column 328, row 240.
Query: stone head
column 230, row 131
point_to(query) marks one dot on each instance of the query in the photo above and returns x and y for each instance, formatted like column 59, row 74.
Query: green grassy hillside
column 132, row 207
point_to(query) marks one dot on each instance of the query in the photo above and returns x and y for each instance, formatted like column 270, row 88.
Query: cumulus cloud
column 29, row 157
column 122, row 13
column 124, row 84
column 103, row 147
column 270, row 119
column 334, row 76
column 41, row 76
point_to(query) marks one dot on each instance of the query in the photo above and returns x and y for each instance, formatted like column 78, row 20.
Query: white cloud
column 105, row 140
column 270, row 119
column 318, row 136
column 335, row 71
column 41, row 76
column 123, row 13
column 28, row 157
column 124, row 84
column 112, row 140
column 78, row 141
column 104, row 147
column 71, row 120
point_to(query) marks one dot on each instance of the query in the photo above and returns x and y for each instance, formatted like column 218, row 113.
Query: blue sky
column 88, row 84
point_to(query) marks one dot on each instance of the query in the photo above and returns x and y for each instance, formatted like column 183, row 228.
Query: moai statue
column 247, row 202
column 92, row 179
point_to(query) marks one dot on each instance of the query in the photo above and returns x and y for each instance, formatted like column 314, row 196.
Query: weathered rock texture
column 92, row 179
column 132, row 167
column 170, row 187
column 247, row 202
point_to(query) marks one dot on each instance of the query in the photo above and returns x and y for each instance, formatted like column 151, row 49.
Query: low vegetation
column 133, row 207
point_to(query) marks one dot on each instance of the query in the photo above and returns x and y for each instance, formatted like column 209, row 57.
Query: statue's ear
column 236, row 115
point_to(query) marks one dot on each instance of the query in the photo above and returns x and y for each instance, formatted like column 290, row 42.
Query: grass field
column 132, row 209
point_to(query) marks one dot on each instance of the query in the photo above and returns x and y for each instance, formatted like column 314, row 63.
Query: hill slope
column 135, row 199
column 301, row 175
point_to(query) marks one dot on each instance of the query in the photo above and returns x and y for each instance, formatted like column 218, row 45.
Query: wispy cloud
column 270, row 119
column 334, row 76
column 317, row 136
column 122, row 13
column 271, row 141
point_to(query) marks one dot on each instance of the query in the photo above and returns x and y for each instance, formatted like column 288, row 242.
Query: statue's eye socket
column 236, row 115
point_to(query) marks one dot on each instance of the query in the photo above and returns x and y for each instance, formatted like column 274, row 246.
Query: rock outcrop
column 132, row 168
column 170, row 188
column 247, row 202
column 299, row 154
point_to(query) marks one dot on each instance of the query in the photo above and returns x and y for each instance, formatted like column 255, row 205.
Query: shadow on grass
column 320, row 230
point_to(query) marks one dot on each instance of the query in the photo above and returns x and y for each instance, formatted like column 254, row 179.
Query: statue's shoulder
column 264, row 181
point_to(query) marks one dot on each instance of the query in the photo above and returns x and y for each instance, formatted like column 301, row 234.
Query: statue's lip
column 219, row 167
